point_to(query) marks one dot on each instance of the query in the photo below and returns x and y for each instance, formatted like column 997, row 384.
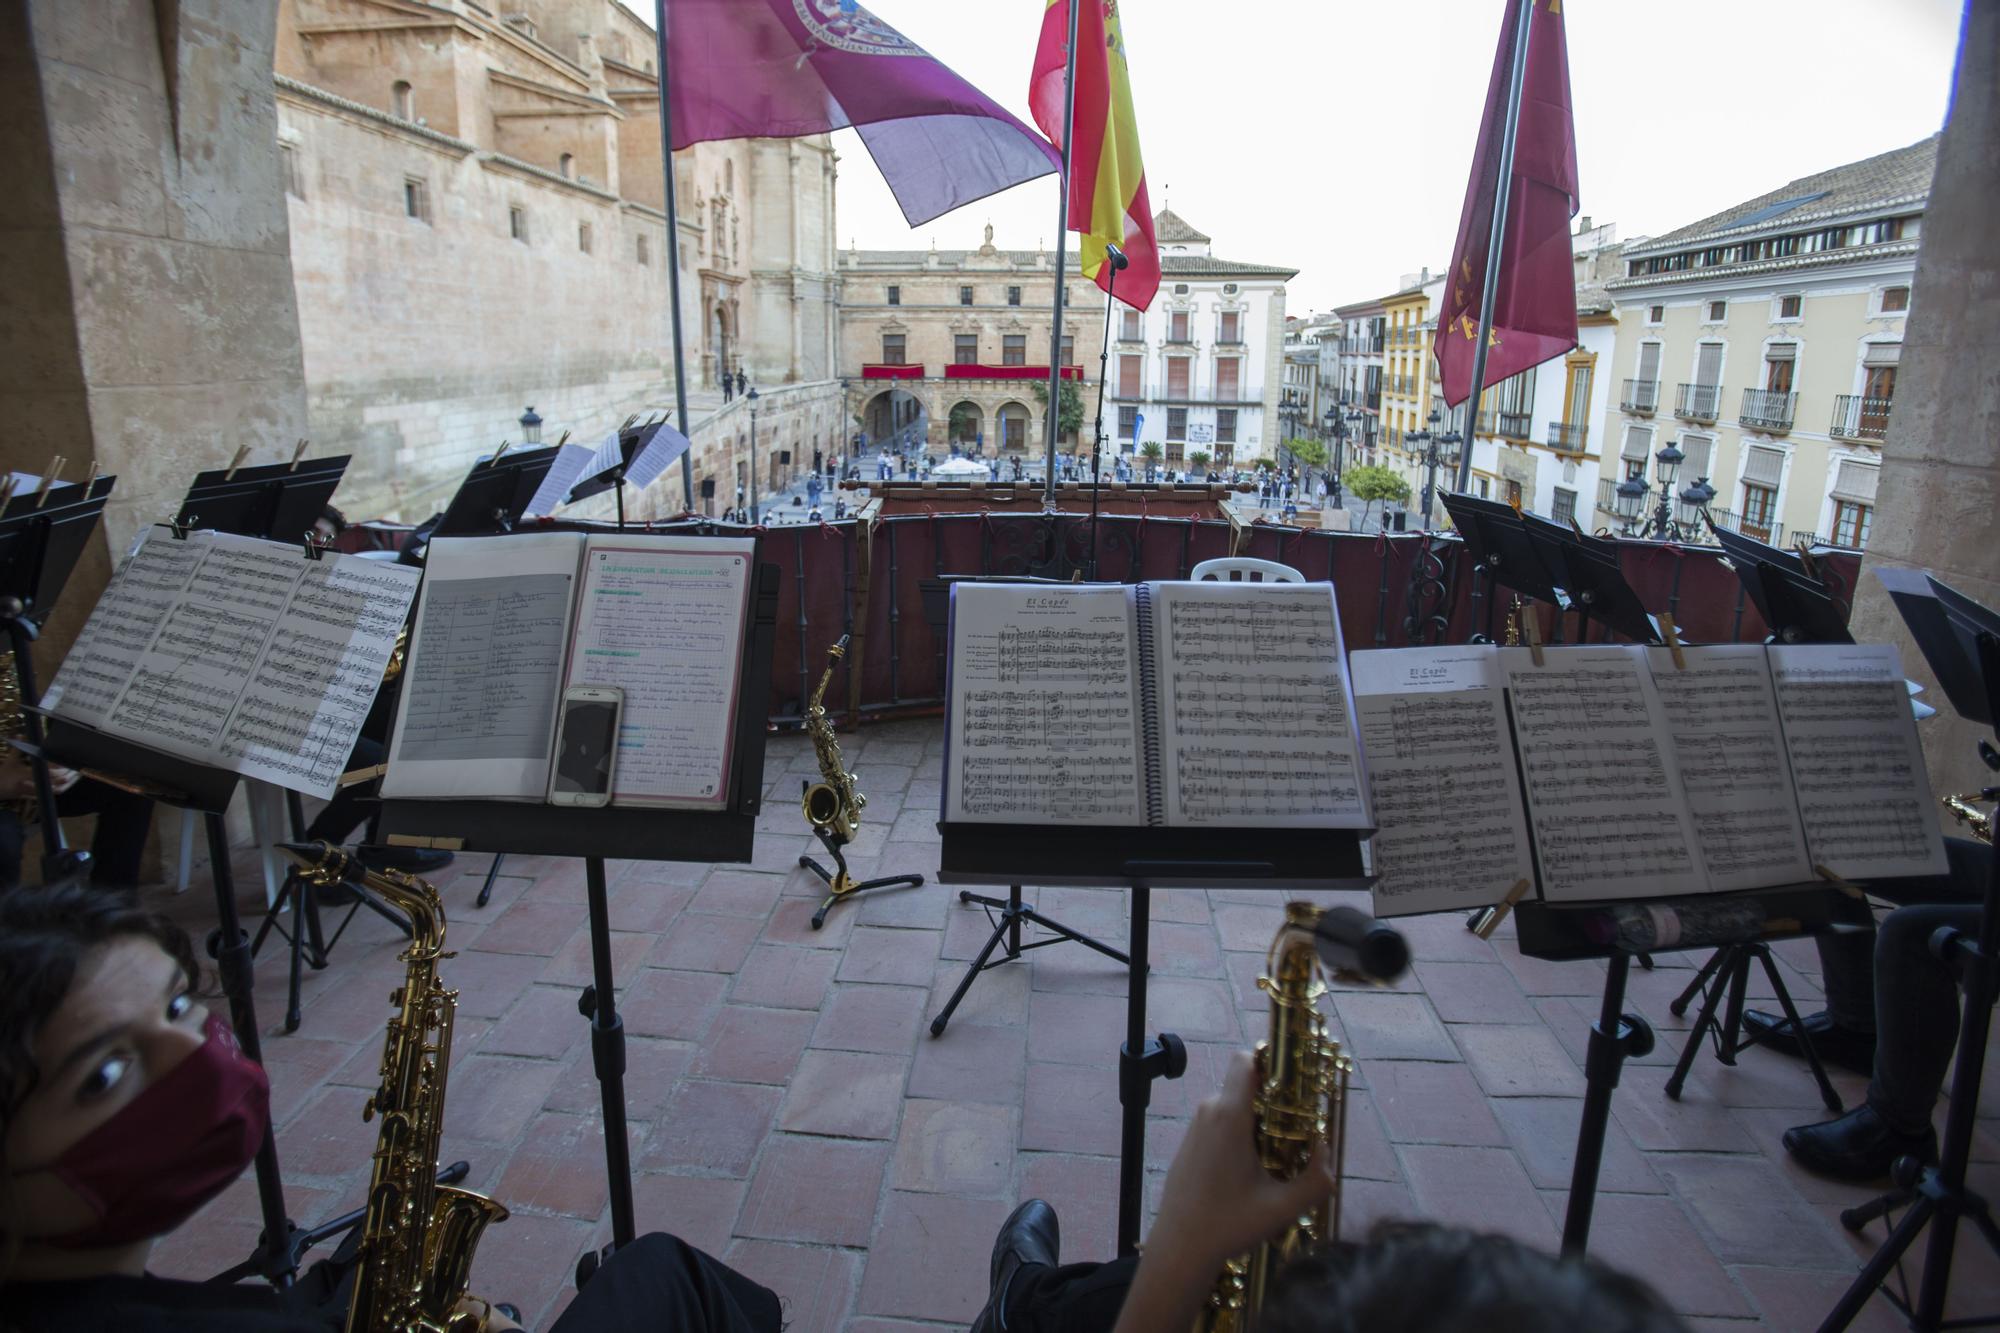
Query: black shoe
column 1860, row 1146
column 1030, row 1235
column 1835, row 1045
column 414, row 860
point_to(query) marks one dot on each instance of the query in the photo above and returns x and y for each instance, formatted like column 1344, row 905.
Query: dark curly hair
column 1411, row 1276
column 44, row 934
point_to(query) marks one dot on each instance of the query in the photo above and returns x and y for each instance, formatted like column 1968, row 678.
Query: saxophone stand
column 840, row 885
column 1961, row 641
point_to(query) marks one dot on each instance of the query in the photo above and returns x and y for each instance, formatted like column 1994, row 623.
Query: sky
column 1335, row 136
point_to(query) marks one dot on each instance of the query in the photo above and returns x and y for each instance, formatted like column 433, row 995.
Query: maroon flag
column 1534, row 306
column 742, row 69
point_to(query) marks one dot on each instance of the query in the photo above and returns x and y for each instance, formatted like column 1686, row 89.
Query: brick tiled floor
column 789, row 1110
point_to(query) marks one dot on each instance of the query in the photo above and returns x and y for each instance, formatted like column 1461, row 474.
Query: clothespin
column 564, row 439
column 505, row 445
column 235, row 461
column 49, row 482
column 354, row 777
column 1673, row 640
column 297, row 454
column 1851, row 890
column 180, row 529
column 1531, row 630
column 7, row 490
column 315, row 548
column 1498, row 912
column 628, row 421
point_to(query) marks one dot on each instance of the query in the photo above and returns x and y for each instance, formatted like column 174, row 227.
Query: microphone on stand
column 1116, row 256
column 1356, row 944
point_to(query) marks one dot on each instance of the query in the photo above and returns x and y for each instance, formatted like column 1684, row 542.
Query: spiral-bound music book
column 1165, row 704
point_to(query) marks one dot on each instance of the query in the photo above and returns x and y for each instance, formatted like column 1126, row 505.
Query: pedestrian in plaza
column 728, row 387
column 742, row 381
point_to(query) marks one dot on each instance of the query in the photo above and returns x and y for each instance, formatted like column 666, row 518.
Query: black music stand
column 632, row 440
column 1502, row 555
column 627, row 832
column 1562, row 934
column 1012, row 911
column 41, row 537
column 494, row 496
column 1796, row 604
column 1587, row 569
column 1144, row 859
column 1960, row 639
column 280, row 501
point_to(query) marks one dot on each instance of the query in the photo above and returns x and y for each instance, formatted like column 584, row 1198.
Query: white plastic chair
column 1245, row 569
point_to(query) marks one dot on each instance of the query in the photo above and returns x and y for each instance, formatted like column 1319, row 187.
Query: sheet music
column 566, row 469
column 1044, row 707
column 1609, row 821
column 134, row 604
column 1451, row 828
column 662, row 619
column 1256, row 724
column 661, row 448
column 1722, row 719
column 1863, row 793
column 478, row 710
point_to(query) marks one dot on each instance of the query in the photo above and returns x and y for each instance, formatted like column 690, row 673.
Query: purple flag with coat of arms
column 741, row 69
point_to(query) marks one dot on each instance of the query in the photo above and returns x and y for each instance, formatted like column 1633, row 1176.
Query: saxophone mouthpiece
column 1352, row 943
column 838, row 651
column 320, row 856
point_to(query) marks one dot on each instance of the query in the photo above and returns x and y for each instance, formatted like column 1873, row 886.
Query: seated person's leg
column 1916, row 1017
column 12, row 837
column 118, row 843
column 660, row 1282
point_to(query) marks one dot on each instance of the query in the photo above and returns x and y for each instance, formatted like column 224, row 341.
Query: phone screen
column 589, row 731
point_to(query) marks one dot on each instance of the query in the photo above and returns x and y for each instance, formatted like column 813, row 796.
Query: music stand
column 1503, row 554
column 277, row 500
column 1960, row 639
column 1592, row 578
column 1796, row 606
column 494, row 496
column 42, row 535
column 632, row 440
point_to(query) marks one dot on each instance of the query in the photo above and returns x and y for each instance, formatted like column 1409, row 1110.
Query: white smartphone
column 586, row 745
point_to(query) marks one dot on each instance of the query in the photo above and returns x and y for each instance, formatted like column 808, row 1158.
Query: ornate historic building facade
column 476, row 215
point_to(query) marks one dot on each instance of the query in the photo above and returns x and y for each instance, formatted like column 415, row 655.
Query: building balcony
column 1640, row 396
column 968, row 371
column 891, row 370
column 1227, row 342
column 1179, row 342
column 1516, row 425
column 1375, row 401
column 1856, row 417
column 1698, row 402
column 1607, row 495
column 1569, row 438
column 1767, row 409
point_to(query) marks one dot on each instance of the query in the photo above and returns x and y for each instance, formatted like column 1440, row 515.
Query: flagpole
column 1517, row 73
column 673, row 255
column 1062, row 259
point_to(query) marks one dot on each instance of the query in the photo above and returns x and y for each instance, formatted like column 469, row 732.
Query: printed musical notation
column 1007, row 718
column 1856, row 761
column 136, row 602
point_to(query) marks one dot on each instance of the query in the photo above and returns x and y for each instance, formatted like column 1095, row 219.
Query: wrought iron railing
column 1568, row 437
column 1698, row 402
column 1640, row 396
column 1767, row 409
column 1516, row 425
column 1859, row 417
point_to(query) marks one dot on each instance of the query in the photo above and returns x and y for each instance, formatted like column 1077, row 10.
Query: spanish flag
column 1107, row 185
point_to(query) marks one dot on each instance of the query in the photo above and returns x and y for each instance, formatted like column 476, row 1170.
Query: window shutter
column 1177, row 377
column 1649, row 361
column 1225, row 378
column 1638, row 443
column 1698, row 450
column 1882, row 354
column 1763, row 467
column 1855, row 481
column 1128, row 377
column 1708, row 364
column 1781, row 352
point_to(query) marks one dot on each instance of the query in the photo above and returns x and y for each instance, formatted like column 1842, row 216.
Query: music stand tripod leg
column 1791, row 1012
column 1613, row 1038
column 598, row 1003
column 1140, row 1061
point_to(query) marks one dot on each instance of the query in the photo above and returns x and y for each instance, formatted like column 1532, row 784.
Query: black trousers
column 1847, row 962
column 116, row 846
column 1070, row 1298
column 1916, row 1012
column 662, row 1282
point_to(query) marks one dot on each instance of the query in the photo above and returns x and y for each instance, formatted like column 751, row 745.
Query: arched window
column 399, row 99
column 566, row 164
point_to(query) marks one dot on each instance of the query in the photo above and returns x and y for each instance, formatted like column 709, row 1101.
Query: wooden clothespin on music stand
column 7, row 489
column 1853, row 891
column 1498, row 912
column 1673, row 637
column 235, row 461
column 1531, row 630
column 49, row 481
column 298, row 453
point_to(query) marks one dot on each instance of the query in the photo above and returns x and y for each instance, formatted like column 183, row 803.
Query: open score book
column 1176, row 704
column 1610, row 772
column 507, row 624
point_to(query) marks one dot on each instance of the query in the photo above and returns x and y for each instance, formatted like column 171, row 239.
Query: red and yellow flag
column 1107, row 186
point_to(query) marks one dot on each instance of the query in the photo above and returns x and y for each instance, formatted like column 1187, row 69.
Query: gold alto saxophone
column 27, row 809
column 1963, row 807
column 418, row 1237
column 832, row 804
column 1301, row 1102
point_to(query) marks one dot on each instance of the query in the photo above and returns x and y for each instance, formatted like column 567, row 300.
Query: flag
column 1534, row 306
column 741, row 69
column 1107, row 180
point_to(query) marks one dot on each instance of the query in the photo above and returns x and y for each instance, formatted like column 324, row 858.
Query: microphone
column 1116, row 256
column 1352, row 942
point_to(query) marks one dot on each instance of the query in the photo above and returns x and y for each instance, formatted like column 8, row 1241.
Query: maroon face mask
column 170, row 1149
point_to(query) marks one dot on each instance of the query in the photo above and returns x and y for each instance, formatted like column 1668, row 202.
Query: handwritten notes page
column 1451, row 829
column 661, row 618
column 478, row 712
column 1729, row 748
column 1863, row 793
column 1256, row 726
column 1609, row 819
column 239, row 653
column 1044, row 723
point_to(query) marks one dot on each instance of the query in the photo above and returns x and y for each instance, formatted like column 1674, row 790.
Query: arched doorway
column 896, row 418
column 1014, row 418
column 966, row 427
column 719, row 340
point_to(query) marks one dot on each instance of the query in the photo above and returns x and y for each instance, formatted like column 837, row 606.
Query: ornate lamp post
column 752, row 396
column 1333, row 427
column 531, row 427
column 1438, row 450
column 1661, row 525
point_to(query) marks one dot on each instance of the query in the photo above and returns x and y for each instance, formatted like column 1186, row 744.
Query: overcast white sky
column 1334, row 136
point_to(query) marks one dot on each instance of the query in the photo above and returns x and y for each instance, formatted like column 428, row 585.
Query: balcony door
column 1876, row 394
column 1707, row 378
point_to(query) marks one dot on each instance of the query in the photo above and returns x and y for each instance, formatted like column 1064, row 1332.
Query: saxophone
column 12, row 723
column 1965, row 810
column 832, row 804
column 418, row 1237
column 1301, row 1101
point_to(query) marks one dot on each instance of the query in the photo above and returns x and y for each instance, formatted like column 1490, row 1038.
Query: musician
column 117, row 845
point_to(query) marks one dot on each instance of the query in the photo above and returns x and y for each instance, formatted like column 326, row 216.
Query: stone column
column 1940, row 492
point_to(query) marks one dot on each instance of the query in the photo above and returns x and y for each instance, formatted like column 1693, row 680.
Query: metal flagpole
column 1517, row 74
column 1062, row 261
column 673, row 254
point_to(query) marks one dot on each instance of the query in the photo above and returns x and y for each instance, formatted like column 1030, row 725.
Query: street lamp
column 1440, row 449
column 1661, row 525
column 1333, row 427
column 531, row 427
column 752, row 396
